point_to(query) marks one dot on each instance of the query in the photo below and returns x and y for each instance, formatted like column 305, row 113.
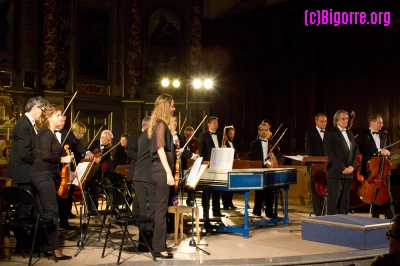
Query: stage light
column 197, row 83
column 165, row 82
column 176, row 83
column 208, row 84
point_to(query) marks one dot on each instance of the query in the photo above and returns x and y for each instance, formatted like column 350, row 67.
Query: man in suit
column 228, row 142
column 260, row 151
column 102, row 146
column 207, row 141
column 314, row 147
column 132, row 150
column 371, row 143
column 21, row 157
column 340, row 147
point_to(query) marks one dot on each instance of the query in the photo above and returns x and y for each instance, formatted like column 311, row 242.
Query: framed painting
column 164, row 49
column 93, row 29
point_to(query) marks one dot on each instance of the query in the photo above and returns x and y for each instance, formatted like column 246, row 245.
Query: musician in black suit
column 100, row 147
column 340, row 147
column 314, row 147
column 132, row 150
column 43, row 172
column 371, row 143
column 21, row 157
column 228, row 142
column 260, row 151
column 207, row 141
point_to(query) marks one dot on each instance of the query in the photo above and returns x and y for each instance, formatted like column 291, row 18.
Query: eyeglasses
column 389, row 235
column 41, row 109
column 344, row 118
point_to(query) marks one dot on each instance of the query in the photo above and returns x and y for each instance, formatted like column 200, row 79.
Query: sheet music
column 196, row 172
column 222, row 158
column 80, row 171
column 296, row 158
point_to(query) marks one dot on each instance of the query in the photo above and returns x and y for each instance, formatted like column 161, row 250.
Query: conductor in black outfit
column 371, row 143
column 340, row 147
column 314, row 147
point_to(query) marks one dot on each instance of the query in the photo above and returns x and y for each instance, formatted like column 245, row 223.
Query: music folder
column 193, row 175
column 85, row 170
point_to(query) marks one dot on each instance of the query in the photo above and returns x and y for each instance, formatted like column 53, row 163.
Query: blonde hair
column 161, row 112
column 48, row 111
column 78, row 127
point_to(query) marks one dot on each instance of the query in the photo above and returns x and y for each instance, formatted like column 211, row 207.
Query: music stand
column 85, row 171
column 194, row 175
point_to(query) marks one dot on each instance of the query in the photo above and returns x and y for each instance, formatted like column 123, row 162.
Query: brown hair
column 48, row 111
column 161, row 111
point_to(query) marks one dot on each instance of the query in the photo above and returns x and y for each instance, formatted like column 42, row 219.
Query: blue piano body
column 241, row 181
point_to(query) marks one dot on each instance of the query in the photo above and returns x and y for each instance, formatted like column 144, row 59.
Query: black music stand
column 88, row 173
column 191, row 183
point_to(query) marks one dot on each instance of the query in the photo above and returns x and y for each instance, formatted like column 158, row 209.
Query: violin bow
column 277, row 131
column 69, row 103
column 90, row 144
column 390, row 145
column 187, row 142
column 66, row 136
column 113, row 147
column 8, row 121
column 184, row 121
column 276, row 143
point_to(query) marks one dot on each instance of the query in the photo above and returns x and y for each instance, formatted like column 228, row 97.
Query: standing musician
column 371, row 142
column 162, row 151
column 61, row 133
column 314, row 147
column 228, row 142
column 132, row 150
column 208, row 140
column 121, row 156
column 260, row 151
column 269, row 133
column 340, row 147
column 21, row 159
column 44, row 169
column 98, row 148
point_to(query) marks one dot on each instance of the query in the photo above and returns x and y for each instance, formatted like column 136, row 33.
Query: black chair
column 12, row 198
column 124, row 216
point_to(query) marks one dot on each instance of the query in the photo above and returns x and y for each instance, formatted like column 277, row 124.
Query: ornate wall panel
column 133, row 120
column 119, row 41
column 94, row 89
column 49, row 44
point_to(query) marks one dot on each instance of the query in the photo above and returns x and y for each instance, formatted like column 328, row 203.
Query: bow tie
column 213, row 133
column 264, row 140
column 377, row 133
column 101, row 145
column 57, row 131
column 344, row 130
column 323, row 131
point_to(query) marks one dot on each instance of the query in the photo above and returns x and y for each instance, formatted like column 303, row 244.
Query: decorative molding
column 63, row 43
column 96, row 3
column 118, row 48
column 196, row 32
column 29, row 7
column 134, row 56
column 5, row 79
column 49, row 44
column 132, row 120
column 95, row 89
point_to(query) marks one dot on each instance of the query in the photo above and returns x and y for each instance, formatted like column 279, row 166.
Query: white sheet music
column 222, row 158
column 80, row 171
column 195, row 172
column 296, row 158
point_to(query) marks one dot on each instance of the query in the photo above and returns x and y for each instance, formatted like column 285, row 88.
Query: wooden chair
column 179, row 211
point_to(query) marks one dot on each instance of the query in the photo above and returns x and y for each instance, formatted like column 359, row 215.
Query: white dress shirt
column 215, row 139
column 376, row 139
column 321, row 132
column 264, row 145
column 346, row 138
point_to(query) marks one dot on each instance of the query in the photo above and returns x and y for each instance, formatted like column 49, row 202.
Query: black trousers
column 161, row 195
column 205, row 202
column 46, row 197
column 317, row 200
column 227, row 198
column 262, row 197
column 338, row 198
column 144, row 193
column 387, row 209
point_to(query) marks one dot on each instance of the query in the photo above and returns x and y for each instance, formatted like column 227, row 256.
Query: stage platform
column 267, row 245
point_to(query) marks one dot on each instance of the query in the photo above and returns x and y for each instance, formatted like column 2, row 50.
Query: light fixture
column 208, row 84
column 165, row 82
column 197, row 83
column 176, row 83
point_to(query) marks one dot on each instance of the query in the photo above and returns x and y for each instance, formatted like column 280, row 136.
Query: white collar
column 30, row 118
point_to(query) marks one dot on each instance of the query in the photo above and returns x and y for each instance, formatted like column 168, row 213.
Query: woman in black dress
column 43, row 172
column 162, row 151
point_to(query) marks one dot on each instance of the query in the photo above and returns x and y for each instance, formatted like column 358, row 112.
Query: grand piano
column 241, row 181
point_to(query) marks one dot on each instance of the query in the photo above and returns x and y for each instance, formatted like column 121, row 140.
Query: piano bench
column 178, row 220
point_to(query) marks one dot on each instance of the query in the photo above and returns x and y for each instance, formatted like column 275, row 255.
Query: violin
column 375, row 190
column 177, row 167
column 65, row 173
column 273, row 163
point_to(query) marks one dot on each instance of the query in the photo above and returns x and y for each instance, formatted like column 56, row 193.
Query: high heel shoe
column 64, row 257
column 46, row 253
column 162, row 256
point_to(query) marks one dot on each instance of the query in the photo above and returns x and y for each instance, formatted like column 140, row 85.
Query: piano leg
column 246, row 230
column 286, row 217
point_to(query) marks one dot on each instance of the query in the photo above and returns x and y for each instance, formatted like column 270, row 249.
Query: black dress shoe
column 71, row 215
column 161, row 256
column 232, row 206
column 270, row 215
column 64, row 257
column 226, row 208
column 218, row 214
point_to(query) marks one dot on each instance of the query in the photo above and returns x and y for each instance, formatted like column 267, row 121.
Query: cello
column 375, row 190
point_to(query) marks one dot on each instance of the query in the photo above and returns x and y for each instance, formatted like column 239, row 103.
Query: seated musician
column 228, row 142
column 314, row 147
column 260, row 151
column 371, row 143
column 99, row 148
